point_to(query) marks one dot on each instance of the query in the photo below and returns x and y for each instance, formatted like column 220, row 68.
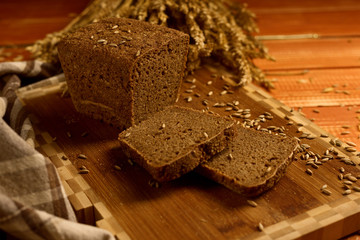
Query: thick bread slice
column 174, row 141
column 253, row 163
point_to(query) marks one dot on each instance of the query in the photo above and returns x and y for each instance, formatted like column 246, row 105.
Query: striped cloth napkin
column 33, row 203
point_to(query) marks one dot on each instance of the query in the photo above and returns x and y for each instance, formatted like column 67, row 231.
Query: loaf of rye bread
column 174, row 141
column 253, row 163
column 122, row 70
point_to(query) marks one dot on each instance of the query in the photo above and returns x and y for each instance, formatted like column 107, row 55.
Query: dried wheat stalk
column 218, row 29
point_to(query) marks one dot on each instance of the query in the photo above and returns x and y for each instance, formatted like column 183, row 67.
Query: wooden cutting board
column 129, row 204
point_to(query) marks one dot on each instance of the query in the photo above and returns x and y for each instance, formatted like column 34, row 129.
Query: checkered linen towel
column 33, row 203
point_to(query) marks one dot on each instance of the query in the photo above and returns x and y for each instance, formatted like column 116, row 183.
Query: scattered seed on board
column 130, row 162
column 350, row 149
column 323, row 135
column 209, row 83
column 326, row 191
column 252, row 203
column 347, row 192
column 345, row 133
column 308, row 171
column 351, row 178
column 127, row 134
column 327, row 90
column 316, row 111
column 356, row 188
column 63, row 157
column 340, row 176
column 68, row 134
column 189, row 90
column 82, row 156
column 230, row 156
column 205, row 134
column 162, row 126
column 84, row 134
column 190, row 80
column 192, row 86
column 188, row 99
column 83, row 171
column 342, row 170
column 210, row 93
column 117, row 167
column 223, row 92
column 324, row 186
column 350, row 144
column 260, row 227
column 346, row 182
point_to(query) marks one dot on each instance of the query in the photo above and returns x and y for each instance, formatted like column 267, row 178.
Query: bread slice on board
column 253, row 163
column 174, row 141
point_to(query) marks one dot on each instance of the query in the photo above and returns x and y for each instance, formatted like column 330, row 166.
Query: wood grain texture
column 193, row 207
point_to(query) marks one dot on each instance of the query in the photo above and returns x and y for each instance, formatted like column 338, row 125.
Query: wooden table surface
column 305, row 65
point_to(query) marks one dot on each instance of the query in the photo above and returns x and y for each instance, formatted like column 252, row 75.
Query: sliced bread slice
column 253, row 163
column 174, row 141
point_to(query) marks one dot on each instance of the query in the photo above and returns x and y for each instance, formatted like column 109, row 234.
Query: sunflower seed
column 356, row 188
column 323, row 135
column 113, row 45
column 189, row 90
column 345, row 133
column 342, row 170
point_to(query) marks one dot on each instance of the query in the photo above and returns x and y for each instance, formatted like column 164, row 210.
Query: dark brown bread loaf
column 122, row 70
column 174, row 141
column 252, row 163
